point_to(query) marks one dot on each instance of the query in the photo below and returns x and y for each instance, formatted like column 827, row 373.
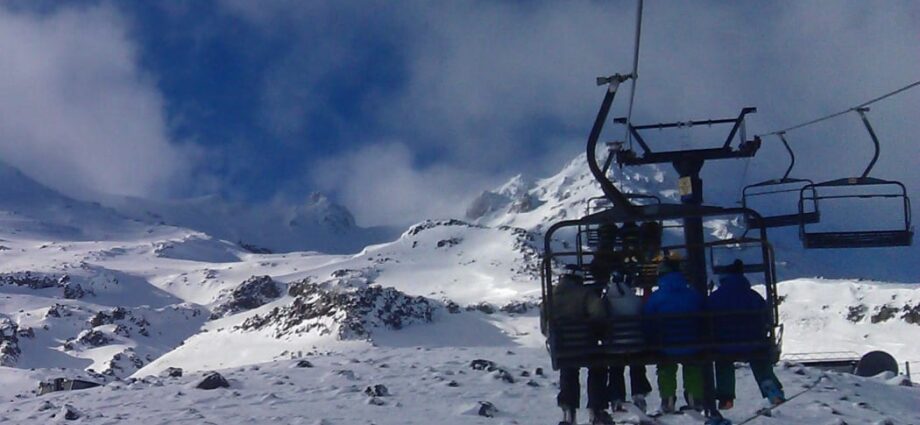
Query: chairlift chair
column 900, row 236
column 587, row 343
column 809, row 214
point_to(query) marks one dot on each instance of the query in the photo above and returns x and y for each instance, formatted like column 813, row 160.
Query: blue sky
column 405, row 110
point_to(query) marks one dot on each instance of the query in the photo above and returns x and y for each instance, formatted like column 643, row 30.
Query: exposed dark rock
column 252, row 293
column 172, row 372
column 452, row 307
column 884, row 313
column 54, row 311
column 73, row 291
column 348, row 302
column 519, row 307
column 69, row 413
column 254, row 248
column 377, row 390
column 857, row 313
column 447, row 243
column 487, row 409
column 538, row 371
column 482, row 307
column 431, row 224
column 504, row 375
column 123, row 363
column 212, row 381
column 122, row 330
column 34, row 281
column 483, row 364
column 532, row 383
column 303, row 364
column 93, row 338
column 911, row 314
column 9, row 342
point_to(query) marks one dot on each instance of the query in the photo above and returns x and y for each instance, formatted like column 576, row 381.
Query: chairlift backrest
column 858, row 188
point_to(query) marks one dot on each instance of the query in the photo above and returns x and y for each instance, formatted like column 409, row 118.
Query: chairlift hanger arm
column 782, row 136
column 620, row 201
column 862, row 114
column 745, row 149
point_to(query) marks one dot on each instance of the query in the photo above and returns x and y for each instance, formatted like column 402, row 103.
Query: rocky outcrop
column 348, row 306
column 254, row 292
column 9, row 342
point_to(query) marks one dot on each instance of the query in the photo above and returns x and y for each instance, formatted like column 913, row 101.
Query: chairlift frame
column 805, row 215
column 597, row 343
column 858, row 238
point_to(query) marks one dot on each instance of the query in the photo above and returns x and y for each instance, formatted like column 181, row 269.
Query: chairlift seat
column 857, row 238
column 786, row 220
column 865, row 239
column 806, row 215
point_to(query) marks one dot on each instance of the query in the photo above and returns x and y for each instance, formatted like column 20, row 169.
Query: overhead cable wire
column 635, row 73
column 837, row 114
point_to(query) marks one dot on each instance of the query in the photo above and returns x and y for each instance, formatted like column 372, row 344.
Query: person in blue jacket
column 674, row 295
column 735, row 295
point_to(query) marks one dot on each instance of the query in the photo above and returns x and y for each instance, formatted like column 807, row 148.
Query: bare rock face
column 93, row 338
column 33, row 280
column 213, row 381
column 347, row 305
column 9, row 342
column 254, row 292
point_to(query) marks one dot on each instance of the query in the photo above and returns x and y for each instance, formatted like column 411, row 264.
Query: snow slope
column 421, row 385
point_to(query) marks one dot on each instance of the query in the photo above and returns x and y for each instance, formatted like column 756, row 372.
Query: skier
column 575, row 301
column 625, row 307
column 674, row 296
column 735, row 294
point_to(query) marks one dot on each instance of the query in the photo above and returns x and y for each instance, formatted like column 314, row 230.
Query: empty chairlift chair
column 865, row 189
column 771, row 189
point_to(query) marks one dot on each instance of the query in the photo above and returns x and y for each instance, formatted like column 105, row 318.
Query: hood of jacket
column 734, row 282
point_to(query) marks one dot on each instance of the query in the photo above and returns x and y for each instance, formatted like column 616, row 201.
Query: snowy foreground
column 431, row 385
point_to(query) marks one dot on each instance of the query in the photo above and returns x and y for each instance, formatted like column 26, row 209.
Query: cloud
column 383, row 185
column 77, row 113
column 500, row 88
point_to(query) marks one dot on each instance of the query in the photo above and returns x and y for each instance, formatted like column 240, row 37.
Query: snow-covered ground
column 423, row 385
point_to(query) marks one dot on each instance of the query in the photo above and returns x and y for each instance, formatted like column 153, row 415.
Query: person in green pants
column 735, row 294
column 674, row 295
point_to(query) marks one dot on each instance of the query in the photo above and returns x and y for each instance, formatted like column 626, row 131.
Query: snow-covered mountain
column 535, row 204
column 315, row 225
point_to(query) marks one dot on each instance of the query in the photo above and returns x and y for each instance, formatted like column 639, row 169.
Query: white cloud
column 485, row 78
column 381, row 185
column 77, row 113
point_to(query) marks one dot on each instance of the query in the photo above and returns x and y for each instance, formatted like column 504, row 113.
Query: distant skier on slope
column 674, row 295
column 575, row 301
column 735, row 294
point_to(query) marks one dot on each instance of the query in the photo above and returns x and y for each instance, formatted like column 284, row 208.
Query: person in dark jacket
column 673, row 296
column 575, row 301
column 735, row 295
